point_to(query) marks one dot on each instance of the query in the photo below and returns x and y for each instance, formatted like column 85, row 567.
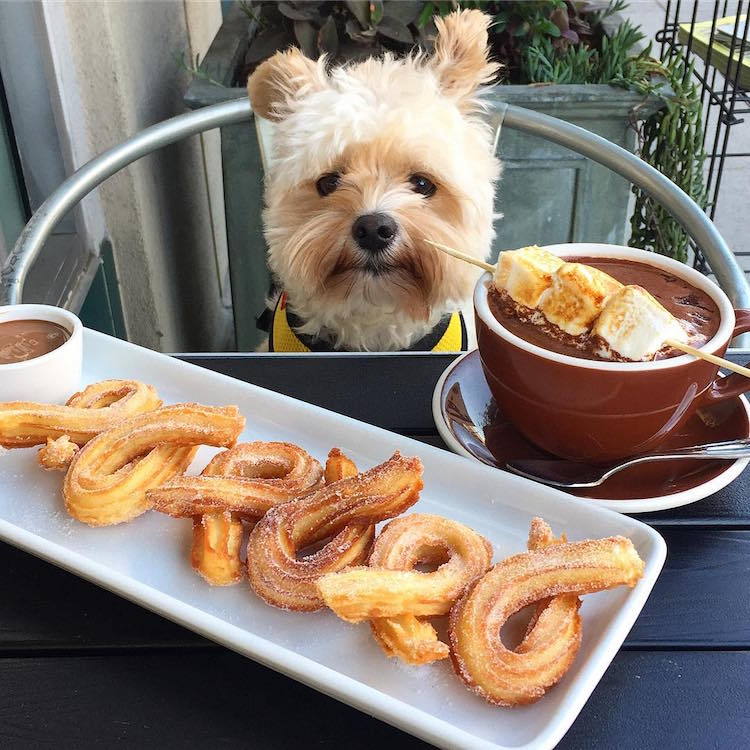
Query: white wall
column 115, row 71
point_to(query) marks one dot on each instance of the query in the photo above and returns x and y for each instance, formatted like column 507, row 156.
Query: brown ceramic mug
column 596, row 410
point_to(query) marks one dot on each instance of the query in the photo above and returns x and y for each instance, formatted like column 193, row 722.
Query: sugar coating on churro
column 247, row 479
column 57, row 454
column 97, row 408
column 558, row 572
column 344, row 513
column 110, row 476
column 395, row 596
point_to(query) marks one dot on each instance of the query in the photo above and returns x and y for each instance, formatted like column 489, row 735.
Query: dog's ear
column 461, row 60
column 280, row 79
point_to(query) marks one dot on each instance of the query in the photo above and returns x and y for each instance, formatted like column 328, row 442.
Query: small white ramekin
column 52, row 378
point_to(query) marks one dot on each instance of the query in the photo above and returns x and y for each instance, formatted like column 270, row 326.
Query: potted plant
column 578, row 61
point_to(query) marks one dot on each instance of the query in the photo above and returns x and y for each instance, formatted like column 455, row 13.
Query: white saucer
column 465, row 374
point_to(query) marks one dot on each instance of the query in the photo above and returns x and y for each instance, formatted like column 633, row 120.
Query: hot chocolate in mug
column 597, row 410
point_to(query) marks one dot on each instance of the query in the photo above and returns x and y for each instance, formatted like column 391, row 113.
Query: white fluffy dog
column 371, row 159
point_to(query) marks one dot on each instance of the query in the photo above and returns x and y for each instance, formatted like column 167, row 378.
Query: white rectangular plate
column 146, row 561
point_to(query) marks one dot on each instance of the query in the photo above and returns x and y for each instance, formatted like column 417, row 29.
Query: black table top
column 80, row 667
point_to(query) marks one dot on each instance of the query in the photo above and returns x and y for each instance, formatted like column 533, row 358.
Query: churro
column 343, row 512
column 238, row 484
column 95, row 409
column 109, row 477
column 247, row 480
column 562, row 571
column 391, row 593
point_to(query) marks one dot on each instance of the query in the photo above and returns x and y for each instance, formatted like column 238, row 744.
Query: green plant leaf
column 360, row 9
column 252, row 13
column 328, row 37
column 300, row 12
column 426, row 35
column 376, row 11
column 394, row 29
column 405, row 11
column 304, row 32
column 671, row 140
column 425, row 15
column 545, row 26
column 265, row 44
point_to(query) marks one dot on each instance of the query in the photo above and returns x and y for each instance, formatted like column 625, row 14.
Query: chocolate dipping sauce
column 27, row 339
column 686, row 302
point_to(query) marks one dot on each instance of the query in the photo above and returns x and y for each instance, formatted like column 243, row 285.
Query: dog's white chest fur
column 372, row 330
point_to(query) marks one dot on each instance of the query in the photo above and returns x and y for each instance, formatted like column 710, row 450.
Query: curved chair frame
column 695, row 222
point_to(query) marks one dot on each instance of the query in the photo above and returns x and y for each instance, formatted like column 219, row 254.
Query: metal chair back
column 695, row 222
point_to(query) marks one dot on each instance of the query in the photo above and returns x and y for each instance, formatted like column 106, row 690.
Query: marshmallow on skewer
column 526, row 274
column 635, row 325
column 576, row 296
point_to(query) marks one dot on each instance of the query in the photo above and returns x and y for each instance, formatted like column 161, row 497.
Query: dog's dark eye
column 328, row 183
column 422, row 185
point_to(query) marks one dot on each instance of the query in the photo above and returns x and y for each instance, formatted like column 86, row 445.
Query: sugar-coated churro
column 391, row 585
column 95, row 409
column 343, row 512
column 562, row 571
column 109, row 477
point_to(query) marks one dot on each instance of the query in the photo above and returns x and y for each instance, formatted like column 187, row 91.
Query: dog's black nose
column 374, row 232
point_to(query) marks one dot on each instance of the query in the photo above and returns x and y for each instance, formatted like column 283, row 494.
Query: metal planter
column 549, row 194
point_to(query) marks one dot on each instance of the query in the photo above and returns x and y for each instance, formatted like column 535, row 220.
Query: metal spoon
column 571, row 474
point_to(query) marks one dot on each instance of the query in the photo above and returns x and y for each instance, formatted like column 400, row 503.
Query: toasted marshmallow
column 526, row 274
column 576, row 296
column 635, row 325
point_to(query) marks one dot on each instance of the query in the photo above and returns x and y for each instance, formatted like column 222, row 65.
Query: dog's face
column 371, row 160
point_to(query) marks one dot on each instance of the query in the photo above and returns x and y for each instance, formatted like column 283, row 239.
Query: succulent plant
column 556, row 31
column 344, row 30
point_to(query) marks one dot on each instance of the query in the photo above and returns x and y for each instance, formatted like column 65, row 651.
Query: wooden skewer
column 697, row 353
column 462, row 256
column 712, row 358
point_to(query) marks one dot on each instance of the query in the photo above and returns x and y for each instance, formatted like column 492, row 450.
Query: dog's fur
column 376, row 123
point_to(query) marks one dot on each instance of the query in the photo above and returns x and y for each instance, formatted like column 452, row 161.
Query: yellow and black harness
column 449, row 335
